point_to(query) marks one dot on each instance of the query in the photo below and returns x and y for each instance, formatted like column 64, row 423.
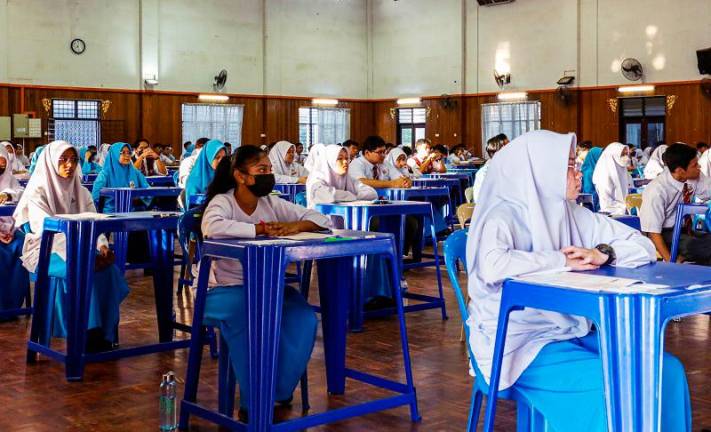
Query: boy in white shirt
column 369, row 168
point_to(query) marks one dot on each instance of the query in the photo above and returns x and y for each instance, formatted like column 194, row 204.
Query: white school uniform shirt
column 223, row 218
column 661, row 197
column 705, row 163
column 10, row 186
column 479, row 181
column 361, row 168
column 414, row 165
column 655, row 164
column 326, row 186
column 611, row 180
column 285, row 172
column 186, row 165
column 520, row 224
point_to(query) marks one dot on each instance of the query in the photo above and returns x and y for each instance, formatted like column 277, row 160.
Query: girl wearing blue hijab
column 35, row 157
column 588, row 168
column 118, row 172
column 203, row 171
column 88, row 166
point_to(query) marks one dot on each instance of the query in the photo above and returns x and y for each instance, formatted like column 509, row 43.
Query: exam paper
column 85, row 215
column 590, row 282
column 306, row 236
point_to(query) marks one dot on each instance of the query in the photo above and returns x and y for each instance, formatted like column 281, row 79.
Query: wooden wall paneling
column 689, row 120
column 596, row 121
column 472, row 131
column 4, row 101
column 444, row 125
column 282, row 119
column 384, row 124
column 556, row 114
column 362, row 120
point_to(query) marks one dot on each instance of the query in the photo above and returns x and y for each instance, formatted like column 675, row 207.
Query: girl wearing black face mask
column 239, row 204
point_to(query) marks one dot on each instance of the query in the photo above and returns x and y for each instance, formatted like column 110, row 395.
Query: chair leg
column 226, row 381
column 474, row 408
column 212, row 337
column 305, row 407
column 187, row 272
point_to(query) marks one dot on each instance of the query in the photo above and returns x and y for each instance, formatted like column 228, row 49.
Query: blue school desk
column 7, row 209
column 682, row 211
column 81, row 235
column 357, row 215
column 630, row 326
column 89, row 178
column 470, row 171
column 454, row 186
column 123, row 199
column 630, row 221
column 165, row 181
column 465, row 179
column 290, row 189
column 264, row 261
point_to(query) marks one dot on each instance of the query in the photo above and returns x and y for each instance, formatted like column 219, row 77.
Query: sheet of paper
column 85, row 215
column 306, row 236
column 590, row 282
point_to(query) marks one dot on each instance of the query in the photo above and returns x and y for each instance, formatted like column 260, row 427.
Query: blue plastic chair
column 300, row 199
column 527, row 417
column 188, row 229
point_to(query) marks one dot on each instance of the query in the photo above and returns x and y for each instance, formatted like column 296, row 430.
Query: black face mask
column 2, row 171
column 263, row 184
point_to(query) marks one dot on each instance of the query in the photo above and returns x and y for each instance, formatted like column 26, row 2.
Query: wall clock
column 78, row 46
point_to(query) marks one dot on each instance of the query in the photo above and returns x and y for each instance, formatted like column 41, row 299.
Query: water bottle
column 131, row 184
column 168, row 413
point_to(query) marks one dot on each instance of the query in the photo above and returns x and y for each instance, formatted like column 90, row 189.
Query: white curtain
column 512, row 119
column 333, row 125
column 222, row 122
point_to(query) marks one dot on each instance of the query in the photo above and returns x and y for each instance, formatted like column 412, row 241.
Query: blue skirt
column 110, row 289
column 565, row 384
column 16, row 279
column 226, row 308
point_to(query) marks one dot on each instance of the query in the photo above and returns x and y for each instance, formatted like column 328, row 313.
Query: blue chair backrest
column 455, row 249
column 176, row 176
column 707, row 219
column 189, row 227
column 300, row 199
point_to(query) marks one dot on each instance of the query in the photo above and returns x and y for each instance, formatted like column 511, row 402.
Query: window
column 642, row 120
column 512, row 119
column 221, row 122
column 410, row 125
column 324, row 125
column 76, row 121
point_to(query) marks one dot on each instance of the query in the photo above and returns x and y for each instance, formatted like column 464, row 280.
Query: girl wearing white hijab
column 526, row 221
column 329, row 180
column 55, row 188
column 611, row 179
column 285, row 169
column 396, row 164
column 14, row 163
column 655, row 165
column 705, row 163
column 15, row 277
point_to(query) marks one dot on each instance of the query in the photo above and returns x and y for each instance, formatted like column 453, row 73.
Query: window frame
column 483, row 108
column 313, row 122
column 52, row 120
column 413, row 126
column 225, row 122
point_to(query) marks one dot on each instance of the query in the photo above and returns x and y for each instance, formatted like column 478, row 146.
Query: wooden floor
column 123, row 395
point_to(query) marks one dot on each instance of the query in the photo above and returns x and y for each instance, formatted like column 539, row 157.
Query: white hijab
column 611, row 168
column 13, row 163
column 47, row 187
column 103, row 151
column 8, row 182
column 277, row 156
column 324, row 164
column 391, row 164
column 705, row 163
column 655, row 165
column 316, row 153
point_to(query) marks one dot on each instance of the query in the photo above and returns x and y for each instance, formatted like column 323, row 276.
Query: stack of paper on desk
column 589, row 282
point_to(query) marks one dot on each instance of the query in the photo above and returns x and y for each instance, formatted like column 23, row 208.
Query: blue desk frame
column 8, row 210
column 630, row 327
column 81, row 238
column 682, row 211
column 264, row 262
column 162, row 181
column 357, row 216
column 290, row 189
column 456, row 192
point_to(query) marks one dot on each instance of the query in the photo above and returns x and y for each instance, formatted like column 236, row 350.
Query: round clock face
column 78, row 46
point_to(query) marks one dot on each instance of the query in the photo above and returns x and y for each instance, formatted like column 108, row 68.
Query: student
column 228, row 148
column 239, row 205
column 705, row 163
column 21, row 155
column 655, row 165
column 102, row 152
column 611, row 179
column 56, row 188
column 147, row 160
column 166, row 156
column 329, row 180
column 353, row 148
column 701, row 148
column 407, row 150
column 118, row 172
column 440, row 158
column 87, row 156
column 285, row 169
column 527, row 221
column 299, row 157
column 457, row 155
column 679, row 182
column 588, row 168
column 370, row 170
column 493, row 145
column 35, row 156
column 204, row 170
column 421, row 162
column 186, row 165
column 396, row 164
column 14, row 164
column 16, row 280
column 188, row 148
column 581, row 151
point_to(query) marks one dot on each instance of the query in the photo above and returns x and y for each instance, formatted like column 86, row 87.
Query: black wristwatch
column 607, row 250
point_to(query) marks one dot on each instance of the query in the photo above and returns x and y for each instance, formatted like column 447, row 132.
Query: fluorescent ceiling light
column 213, row 98
column 324, row 101
column 409, row 101
column 636, row 89
column 507, row 96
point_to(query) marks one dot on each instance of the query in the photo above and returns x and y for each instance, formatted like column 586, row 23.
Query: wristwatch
column 607, row 250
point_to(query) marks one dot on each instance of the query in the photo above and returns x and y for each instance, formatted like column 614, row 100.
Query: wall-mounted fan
column 502, row 78
column 447, row 102
column 220, row 80
column 564, row 94
column 632, row 69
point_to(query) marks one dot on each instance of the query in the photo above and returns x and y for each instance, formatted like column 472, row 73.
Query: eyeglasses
column 71, row 161
column 125, row 153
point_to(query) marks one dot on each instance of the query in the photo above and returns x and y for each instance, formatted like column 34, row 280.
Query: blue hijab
column 116, row 175
column 202, row 173
column 588, row 168
column 88, row 167
column 35, row 158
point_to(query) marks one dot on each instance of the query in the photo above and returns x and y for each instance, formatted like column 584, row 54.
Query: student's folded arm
column 366, row 192
column 281, row 178
column 498, row 260
column 321, row 193
column 703, row 188
column 217, row 224
column 631, row 247
column 289, row 212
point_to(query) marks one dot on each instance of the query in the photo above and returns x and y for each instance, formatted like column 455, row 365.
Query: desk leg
column 333, row 289
column 44, row 304
column 81, row 241
column 162, row 251
column 264, row 283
